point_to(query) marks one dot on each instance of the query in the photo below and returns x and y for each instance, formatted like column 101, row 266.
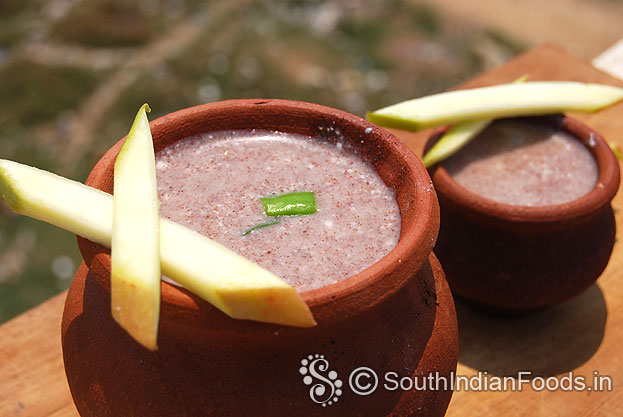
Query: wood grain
column 579, row 336
column 32, row 377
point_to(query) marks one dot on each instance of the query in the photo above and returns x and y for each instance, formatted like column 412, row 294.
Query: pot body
column 517, row 258
column 520, row 266
column 396, row 315
column 206, row 372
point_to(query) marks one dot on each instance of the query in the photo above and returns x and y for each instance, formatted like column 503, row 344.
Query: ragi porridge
column 213, row 183
column 521, row 163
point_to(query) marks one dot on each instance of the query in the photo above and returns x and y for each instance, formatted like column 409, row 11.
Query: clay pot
column 397, row 315
column 517, row 258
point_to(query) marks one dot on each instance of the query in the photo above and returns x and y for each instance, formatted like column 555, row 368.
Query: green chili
column 290, row 204
column 259, row 226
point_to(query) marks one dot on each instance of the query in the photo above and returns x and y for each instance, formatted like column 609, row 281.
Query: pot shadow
column 547, row 342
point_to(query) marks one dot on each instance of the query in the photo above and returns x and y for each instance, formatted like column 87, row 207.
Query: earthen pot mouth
column 601, row 195
column 396, row 164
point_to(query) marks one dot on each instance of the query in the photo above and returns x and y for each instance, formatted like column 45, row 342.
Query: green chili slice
column 290, row 204
column 259, row 226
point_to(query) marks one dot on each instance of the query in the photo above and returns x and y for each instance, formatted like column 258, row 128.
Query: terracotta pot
column 397, row 315
column 515, row 258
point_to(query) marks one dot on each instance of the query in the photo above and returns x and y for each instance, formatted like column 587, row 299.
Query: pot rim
column 356, row 293
column 601, row 195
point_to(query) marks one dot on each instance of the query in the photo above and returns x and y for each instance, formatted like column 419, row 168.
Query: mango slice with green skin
column 457, row 136
column 616, row 150
column 506, row 100
column 453, row 140
column 230, row 282
column 135, row 254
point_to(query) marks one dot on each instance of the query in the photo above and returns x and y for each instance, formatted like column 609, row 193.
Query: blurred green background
column 73, row 73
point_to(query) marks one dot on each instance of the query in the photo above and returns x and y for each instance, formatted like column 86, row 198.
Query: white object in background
column 611, row 61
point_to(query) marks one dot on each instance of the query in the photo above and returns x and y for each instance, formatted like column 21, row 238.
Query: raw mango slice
column 456, row 137
column 135, row 255
column 230, row 282
column 507, row 100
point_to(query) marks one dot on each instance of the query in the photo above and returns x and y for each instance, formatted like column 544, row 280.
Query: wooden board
column 580, row 336
column 32, row 377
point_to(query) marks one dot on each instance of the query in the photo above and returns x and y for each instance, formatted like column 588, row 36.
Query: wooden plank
column 33, row 379
column 583, row 335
